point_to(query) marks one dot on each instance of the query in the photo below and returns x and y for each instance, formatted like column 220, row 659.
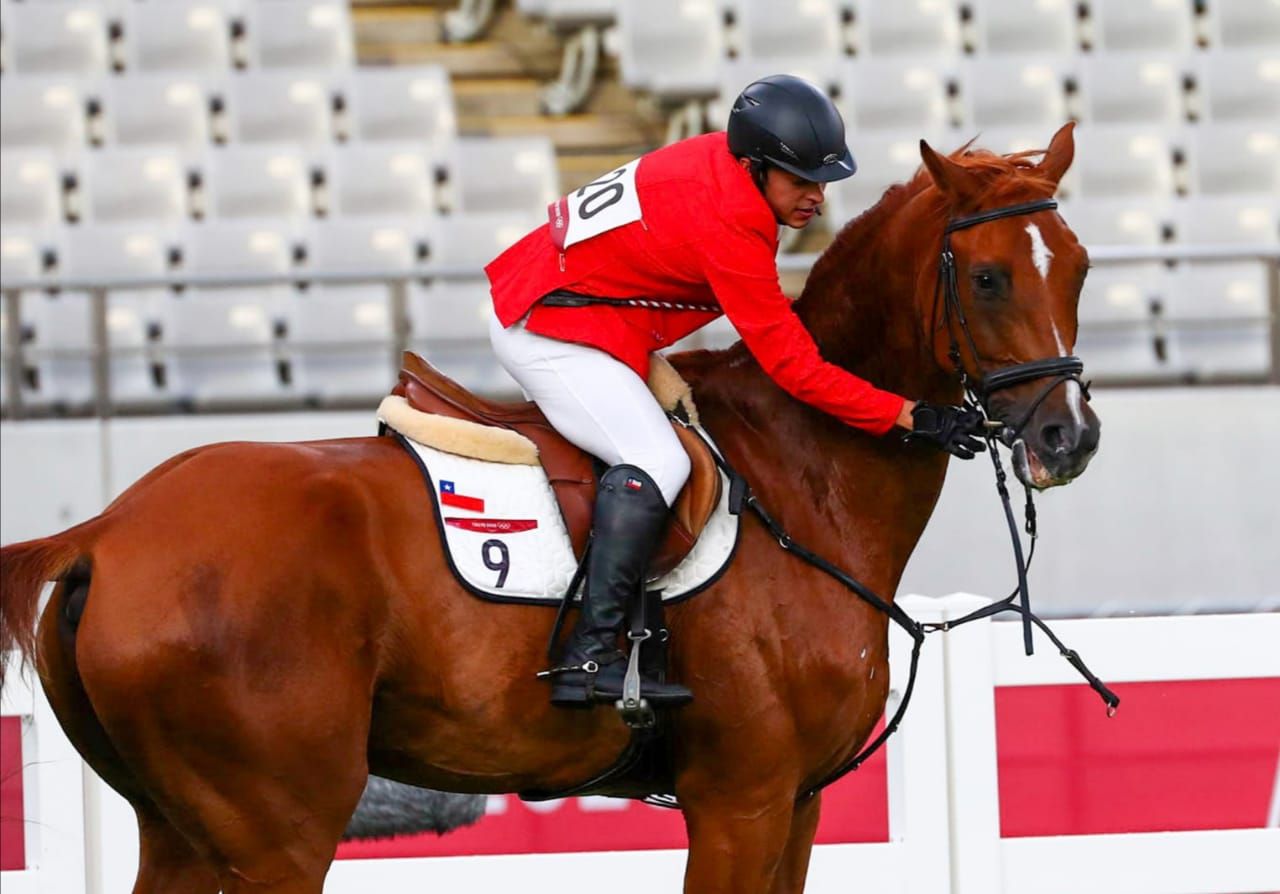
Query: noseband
column 979, row 391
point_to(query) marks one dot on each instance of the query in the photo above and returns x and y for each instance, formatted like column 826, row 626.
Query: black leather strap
column 963, row 223
column 1008, row 376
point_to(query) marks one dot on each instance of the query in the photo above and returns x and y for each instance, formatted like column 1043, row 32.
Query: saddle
column 569, row 469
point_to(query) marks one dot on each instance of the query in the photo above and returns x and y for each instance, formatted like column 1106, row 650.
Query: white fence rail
column 944, row 820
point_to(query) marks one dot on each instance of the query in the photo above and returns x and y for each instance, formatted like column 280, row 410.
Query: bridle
column 979, row 389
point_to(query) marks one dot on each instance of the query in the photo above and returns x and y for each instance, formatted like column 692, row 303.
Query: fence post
column 918, row 808
column 972, row 772
column 13, row 353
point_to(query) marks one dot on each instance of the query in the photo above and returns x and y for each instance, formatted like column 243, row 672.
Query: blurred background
column 225, row 219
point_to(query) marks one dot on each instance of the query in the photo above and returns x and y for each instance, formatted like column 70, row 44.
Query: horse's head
column 1014, row 284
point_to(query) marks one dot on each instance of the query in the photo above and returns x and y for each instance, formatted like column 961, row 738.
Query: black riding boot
column 630, row 516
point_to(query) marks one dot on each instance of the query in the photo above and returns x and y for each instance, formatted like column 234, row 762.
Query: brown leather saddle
column 569, row 469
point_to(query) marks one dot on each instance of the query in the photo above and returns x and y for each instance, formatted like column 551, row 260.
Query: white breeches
column 596, row 401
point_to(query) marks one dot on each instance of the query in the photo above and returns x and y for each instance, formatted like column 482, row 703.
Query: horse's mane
column 844, row 302
column 1003, row 176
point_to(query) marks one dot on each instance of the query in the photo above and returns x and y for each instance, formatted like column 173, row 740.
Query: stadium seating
column 469, row 241
column 1133, row 88
column 402, row 103
column 218, row 342
column 887, row 95
column 1003, row 92
column 1046, row 28
column 1109, row 221
column 299, row 34
column 1241, row 85
column 257, row 182
column 276, row 107
column 42, row 113
column 178, row 36
column 134, row 184
column 512, row 174
column 1123, row 160
column 340, row 336
column 1243, row 220
column 1240, row 159
column 57, row 37
column 381, row 179
column 883, row 159
column 1219, row 319
column 671, row 47
column 1246, row 23
column 1142, row 25
column 156, row 109
column 786, row 31
column 30, row 189
column 909, row 28
column 1116, row 334
column 449, row 325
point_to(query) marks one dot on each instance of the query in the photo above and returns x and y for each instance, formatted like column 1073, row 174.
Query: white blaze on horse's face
column 1040, row 253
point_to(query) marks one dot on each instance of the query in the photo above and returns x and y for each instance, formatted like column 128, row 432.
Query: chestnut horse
column 245, row 634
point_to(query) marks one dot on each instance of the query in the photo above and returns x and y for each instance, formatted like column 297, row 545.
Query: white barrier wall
column 944, row 822
column 1177, row 512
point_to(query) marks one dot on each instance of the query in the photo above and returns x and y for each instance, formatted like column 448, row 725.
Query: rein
column 978, row 392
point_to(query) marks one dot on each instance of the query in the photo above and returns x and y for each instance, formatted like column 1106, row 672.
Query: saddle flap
column 569, row 469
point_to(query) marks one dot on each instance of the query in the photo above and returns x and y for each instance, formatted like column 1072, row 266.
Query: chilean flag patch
column 449, row 496
column 634, row 484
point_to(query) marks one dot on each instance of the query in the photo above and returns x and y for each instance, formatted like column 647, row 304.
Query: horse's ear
column 953, row 180
column 1061, row 151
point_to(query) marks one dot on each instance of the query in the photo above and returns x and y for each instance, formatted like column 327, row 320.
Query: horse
column 250, row 630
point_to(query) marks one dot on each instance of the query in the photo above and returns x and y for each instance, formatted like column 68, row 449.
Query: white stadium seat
column 340, row 335
column 275, row 107
column 1246, row 23
column 257, row 182
column 473, row 240
column 736, row 74
column 125, row 252
column 1002, row 92
column 218, row 341
column 449, row 325
column 1122, row 352
column 1236, row 159
column 1106, row 221
column 895, row 95
column 1045, row 27
column 134, row 184
column 300, row 34
column 1241, row 85
column 57, row 37
column 1142, row 25
column 1118, row 160
column 42, row 113
column 1116, row 336
column 1129, row 88
column 402, row 103
column 504, row 174
column 30, row 189
column 671, row 47
column 153, row 109
column 1220, row 321
column 1243, row 220
column 21, row 253
column 178, row 35
column 772, row 30
column 909, row 27
column 883, row 159
column 1121, row 293
column 381, row 180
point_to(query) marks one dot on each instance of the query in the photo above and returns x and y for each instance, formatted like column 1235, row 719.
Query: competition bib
column 606, row 203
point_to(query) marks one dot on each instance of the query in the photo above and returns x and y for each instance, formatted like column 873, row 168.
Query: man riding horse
column 639, row 259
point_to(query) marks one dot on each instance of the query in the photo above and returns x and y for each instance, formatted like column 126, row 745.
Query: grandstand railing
column 15, row 351
column 944, row 798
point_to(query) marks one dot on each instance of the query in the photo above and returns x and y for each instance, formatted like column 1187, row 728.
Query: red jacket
column 705, row 236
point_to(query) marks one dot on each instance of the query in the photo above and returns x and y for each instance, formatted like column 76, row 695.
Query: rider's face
column 794, row 200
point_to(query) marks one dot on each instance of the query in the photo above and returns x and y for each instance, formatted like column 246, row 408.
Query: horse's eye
column 984, row 281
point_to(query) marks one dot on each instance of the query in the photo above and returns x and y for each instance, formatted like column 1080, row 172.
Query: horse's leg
column 167, row 864
column 735, row 845
column 794, row 866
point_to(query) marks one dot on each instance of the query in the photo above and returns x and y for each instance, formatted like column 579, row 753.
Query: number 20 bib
column 604, row 204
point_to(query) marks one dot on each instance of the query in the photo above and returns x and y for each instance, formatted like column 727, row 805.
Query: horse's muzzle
column 1056, row 446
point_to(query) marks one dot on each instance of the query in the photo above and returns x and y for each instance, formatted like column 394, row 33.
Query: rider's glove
column 952, row 429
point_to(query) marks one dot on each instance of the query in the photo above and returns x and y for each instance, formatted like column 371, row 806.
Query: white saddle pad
column 506, row 540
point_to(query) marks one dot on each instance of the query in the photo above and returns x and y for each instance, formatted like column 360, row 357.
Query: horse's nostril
column 1053, row 439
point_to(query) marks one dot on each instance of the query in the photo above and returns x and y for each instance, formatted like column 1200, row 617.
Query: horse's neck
column 855, row 496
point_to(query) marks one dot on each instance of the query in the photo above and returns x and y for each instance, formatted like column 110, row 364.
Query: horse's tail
column 24, row 568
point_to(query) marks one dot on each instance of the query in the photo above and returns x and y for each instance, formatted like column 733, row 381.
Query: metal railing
column 16, row 352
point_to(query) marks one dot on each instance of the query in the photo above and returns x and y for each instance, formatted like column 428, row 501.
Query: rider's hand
column 953, row 429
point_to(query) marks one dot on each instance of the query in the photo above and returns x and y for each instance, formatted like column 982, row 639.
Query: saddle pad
column 506, row 541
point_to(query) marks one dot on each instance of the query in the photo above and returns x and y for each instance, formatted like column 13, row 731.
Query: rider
column 693, row 224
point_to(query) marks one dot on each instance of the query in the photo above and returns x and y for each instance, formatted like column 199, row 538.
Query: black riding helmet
column 788, row 122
